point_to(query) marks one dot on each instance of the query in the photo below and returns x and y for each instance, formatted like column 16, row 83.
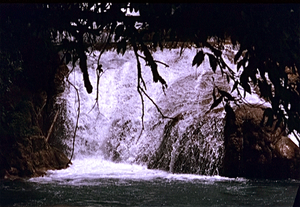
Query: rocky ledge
column 254, row 149
column 27, row 123
column 30, row 157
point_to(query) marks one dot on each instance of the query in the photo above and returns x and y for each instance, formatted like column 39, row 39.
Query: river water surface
column 94, row 182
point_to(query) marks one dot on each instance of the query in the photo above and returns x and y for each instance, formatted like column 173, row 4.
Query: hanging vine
column 78, row 115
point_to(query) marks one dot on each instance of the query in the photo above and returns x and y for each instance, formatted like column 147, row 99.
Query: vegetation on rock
column 255, row 149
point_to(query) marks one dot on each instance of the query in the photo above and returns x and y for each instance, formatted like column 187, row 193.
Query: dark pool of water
column 154, row 192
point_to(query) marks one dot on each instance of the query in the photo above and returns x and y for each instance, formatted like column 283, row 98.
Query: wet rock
column 256, row 150
column 60, row 74
column 194, row 147
column 31, row 158
column 26, row 116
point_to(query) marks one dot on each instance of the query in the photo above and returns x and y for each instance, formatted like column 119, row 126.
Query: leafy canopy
column 268, row 37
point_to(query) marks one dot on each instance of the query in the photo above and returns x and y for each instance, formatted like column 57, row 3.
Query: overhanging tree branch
column 140, row 80
column 166, row 65
column 157, row 107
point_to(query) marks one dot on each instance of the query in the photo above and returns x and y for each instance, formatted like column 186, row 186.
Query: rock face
column 30, row 157
column 255, row 149
column 194, row 148
column 27, row 108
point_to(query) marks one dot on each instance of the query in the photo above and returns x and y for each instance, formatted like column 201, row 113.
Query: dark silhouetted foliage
column 267, row 36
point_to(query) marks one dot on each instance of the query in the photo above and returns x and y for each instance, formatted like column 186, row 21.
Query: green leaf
column 225, row 94
column 214, row 95
column 216, row 103
column 227, row 77
column 213, row 62
column 251, row 69
column 247, row 87
column 198, row 59
column 234, row 86
column 240, row 63
column 121, row 46
column 217, row 53
column 238, row 55
column 253, row 78
column 265, row 89
column 244, row 82
column 118, row 31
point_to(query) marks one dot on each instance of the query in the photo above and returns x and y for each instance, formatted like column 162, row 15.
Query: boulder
column 256, row 149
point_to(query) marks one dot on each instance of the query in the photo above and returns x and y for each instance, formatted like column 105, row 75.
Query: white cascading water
column 108, row 141
column 119, row 104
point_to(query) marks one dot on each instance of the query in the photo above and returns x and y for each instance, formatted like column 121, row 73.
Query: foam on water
column 86, row 172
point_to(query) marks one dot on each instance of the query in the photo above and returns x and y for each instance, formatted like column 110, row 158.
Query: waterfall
column 110, row 129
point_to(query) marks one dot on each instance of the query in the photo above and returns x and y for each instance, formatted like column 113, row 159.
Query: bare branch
column 78, row 115
column 52, row 125
column 143, row 112
column 106, row 43
column 99, row 74
column 157, row 107
column 141, row 90
column 140, row 79
column 157, row 61
column 99, row 69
